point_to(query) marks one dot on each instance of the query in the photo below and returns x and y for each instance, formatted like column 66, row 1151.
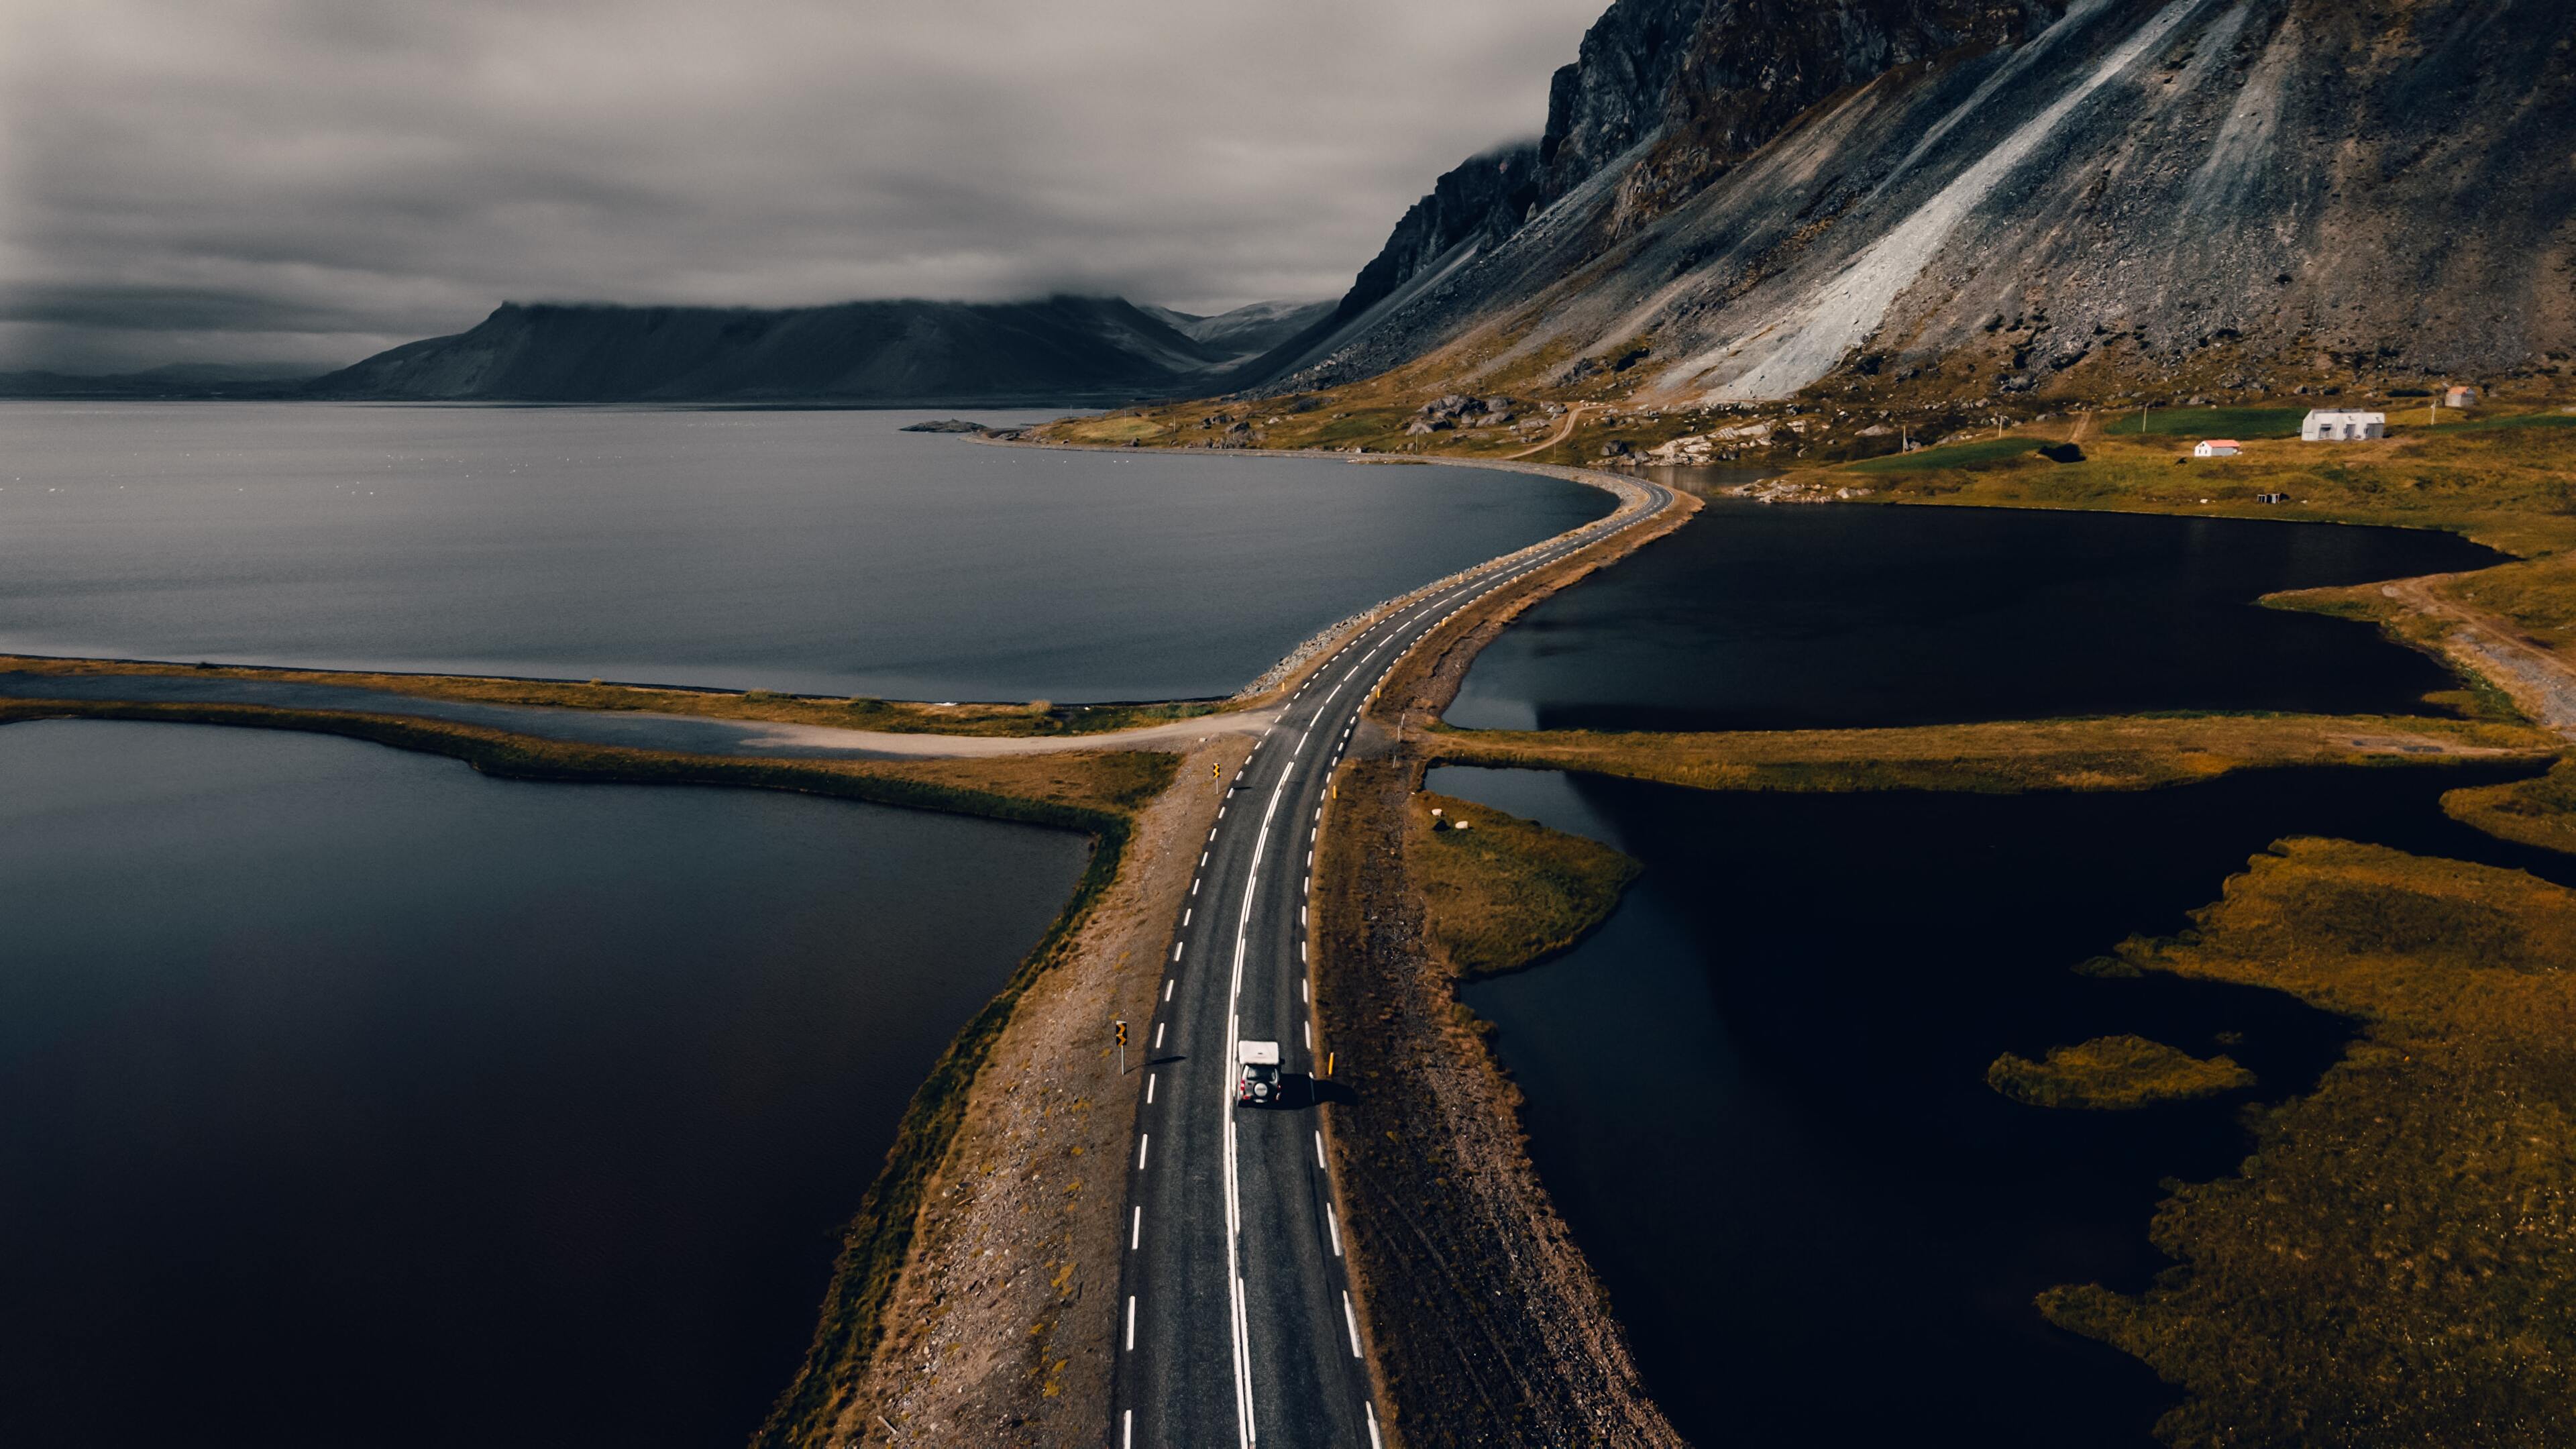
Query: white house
column 2323, row 426
column 2218, row 448
column 2459, row 397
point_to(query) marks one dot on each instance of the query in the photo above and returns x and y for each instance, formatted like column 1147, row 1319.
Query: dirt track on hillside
column 2540, row 681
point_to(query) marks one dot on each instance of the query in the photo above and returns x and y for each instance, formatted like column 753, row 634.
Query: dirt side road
column 2541, row 682
column 1000, row 1326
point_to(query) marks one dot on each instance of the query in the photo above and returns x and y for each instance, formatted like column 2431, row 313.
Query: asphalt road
column 1235, row 1318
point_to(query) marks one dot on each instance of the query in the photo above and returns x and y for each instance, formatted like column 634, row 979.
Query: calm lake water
column 823, row 552
column 1758, row 1092
column 1786, row 617
column 350, row 1097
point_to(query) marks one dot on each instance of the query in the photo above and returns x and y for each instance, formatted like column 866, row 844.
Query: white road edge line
column 1144, row 1141
column 1245, row 1430
column 1136, row 1235
column 1349, row 1317
column 1131, row 1320
column 1331, row 1225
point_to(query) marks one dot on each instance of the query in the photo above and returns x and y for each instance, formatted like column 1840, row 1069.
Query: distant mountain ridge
column 1247, row 331
column 1058, row 349
column 178, row 380
column 1738, row 199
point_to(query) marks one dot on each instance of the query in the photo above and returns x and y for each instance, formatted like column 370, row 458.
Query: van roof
column 1259, row 1053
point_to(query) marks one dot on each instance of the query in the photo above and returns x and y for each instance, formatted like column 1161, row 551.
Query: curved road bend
column 1235, row 1320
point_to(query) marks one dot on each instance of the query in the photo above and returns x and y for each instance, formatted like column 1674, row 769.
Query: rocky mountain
column 1061, row 349
column 1473, row 207
column 1741, row 199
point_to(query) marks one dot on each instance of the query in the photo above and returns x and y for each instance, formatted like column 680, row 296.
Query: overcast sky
column 313, row 180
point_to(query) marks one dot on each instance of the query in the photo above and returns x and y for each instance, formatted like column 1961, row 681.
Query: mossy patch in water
column 2393, row 1264
column 2114, row 1074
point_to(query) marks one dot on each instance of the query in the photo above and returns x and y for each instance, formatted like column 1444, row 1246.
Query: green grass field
column 1955, row 455
column 2519, row 420
column 2210, row 422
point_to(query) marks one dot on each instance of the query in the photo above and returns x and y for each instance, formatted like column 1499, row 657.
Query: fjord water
column 349, row 1096
column 1754, row 617
column 823, row 552
column 1757, row 1092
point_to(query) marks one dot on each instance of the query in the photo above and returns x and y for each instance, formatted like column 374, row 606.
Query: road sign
column 1122, row 1048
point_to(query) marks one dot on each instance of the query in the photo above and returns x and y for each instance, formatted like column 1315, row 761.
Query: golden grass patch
column 2127, row 752
column 2393, row 1267
column 2538, row 812
column 1502, row 892
column 1033, row 718
column 2114, row 1074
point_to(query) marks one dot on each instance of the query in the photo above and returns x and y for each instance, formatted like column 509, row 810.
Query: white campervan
column 1258, row 1084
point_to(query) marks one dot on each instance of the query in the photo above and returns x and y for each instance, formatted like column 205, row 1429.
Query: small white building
column 2323, row 426
column 2218, row 448
column 2460, row 397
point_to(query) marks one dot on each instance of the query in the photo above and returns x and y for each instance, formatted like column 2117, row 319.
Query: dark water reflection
column 1757, row 617
column 826, row 552
column 1758, row 1092
column 348, row 1097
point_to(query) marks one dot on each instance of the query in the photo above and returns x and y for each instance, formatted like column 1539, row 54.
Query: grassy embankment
column 1091, row 791
column 2509, row 481
column 2394, row 1263
column 2114, row 1074
column 1035, row 718
column 2539, row 811
column 1506, row 892
column 2133, row 752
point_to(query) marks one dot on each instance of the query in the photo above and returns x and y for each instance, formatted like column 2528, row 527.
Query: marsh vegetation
column 2114, row 1074
column 2391, row 1264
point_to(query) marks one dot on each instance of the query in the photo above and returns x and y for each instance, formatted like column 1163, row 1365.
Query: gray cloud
column 310, row 180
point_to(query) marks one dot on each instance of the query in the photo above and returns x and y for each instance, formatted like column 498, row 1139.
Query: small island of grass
column 1503, row 892
column 2114, row 1074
